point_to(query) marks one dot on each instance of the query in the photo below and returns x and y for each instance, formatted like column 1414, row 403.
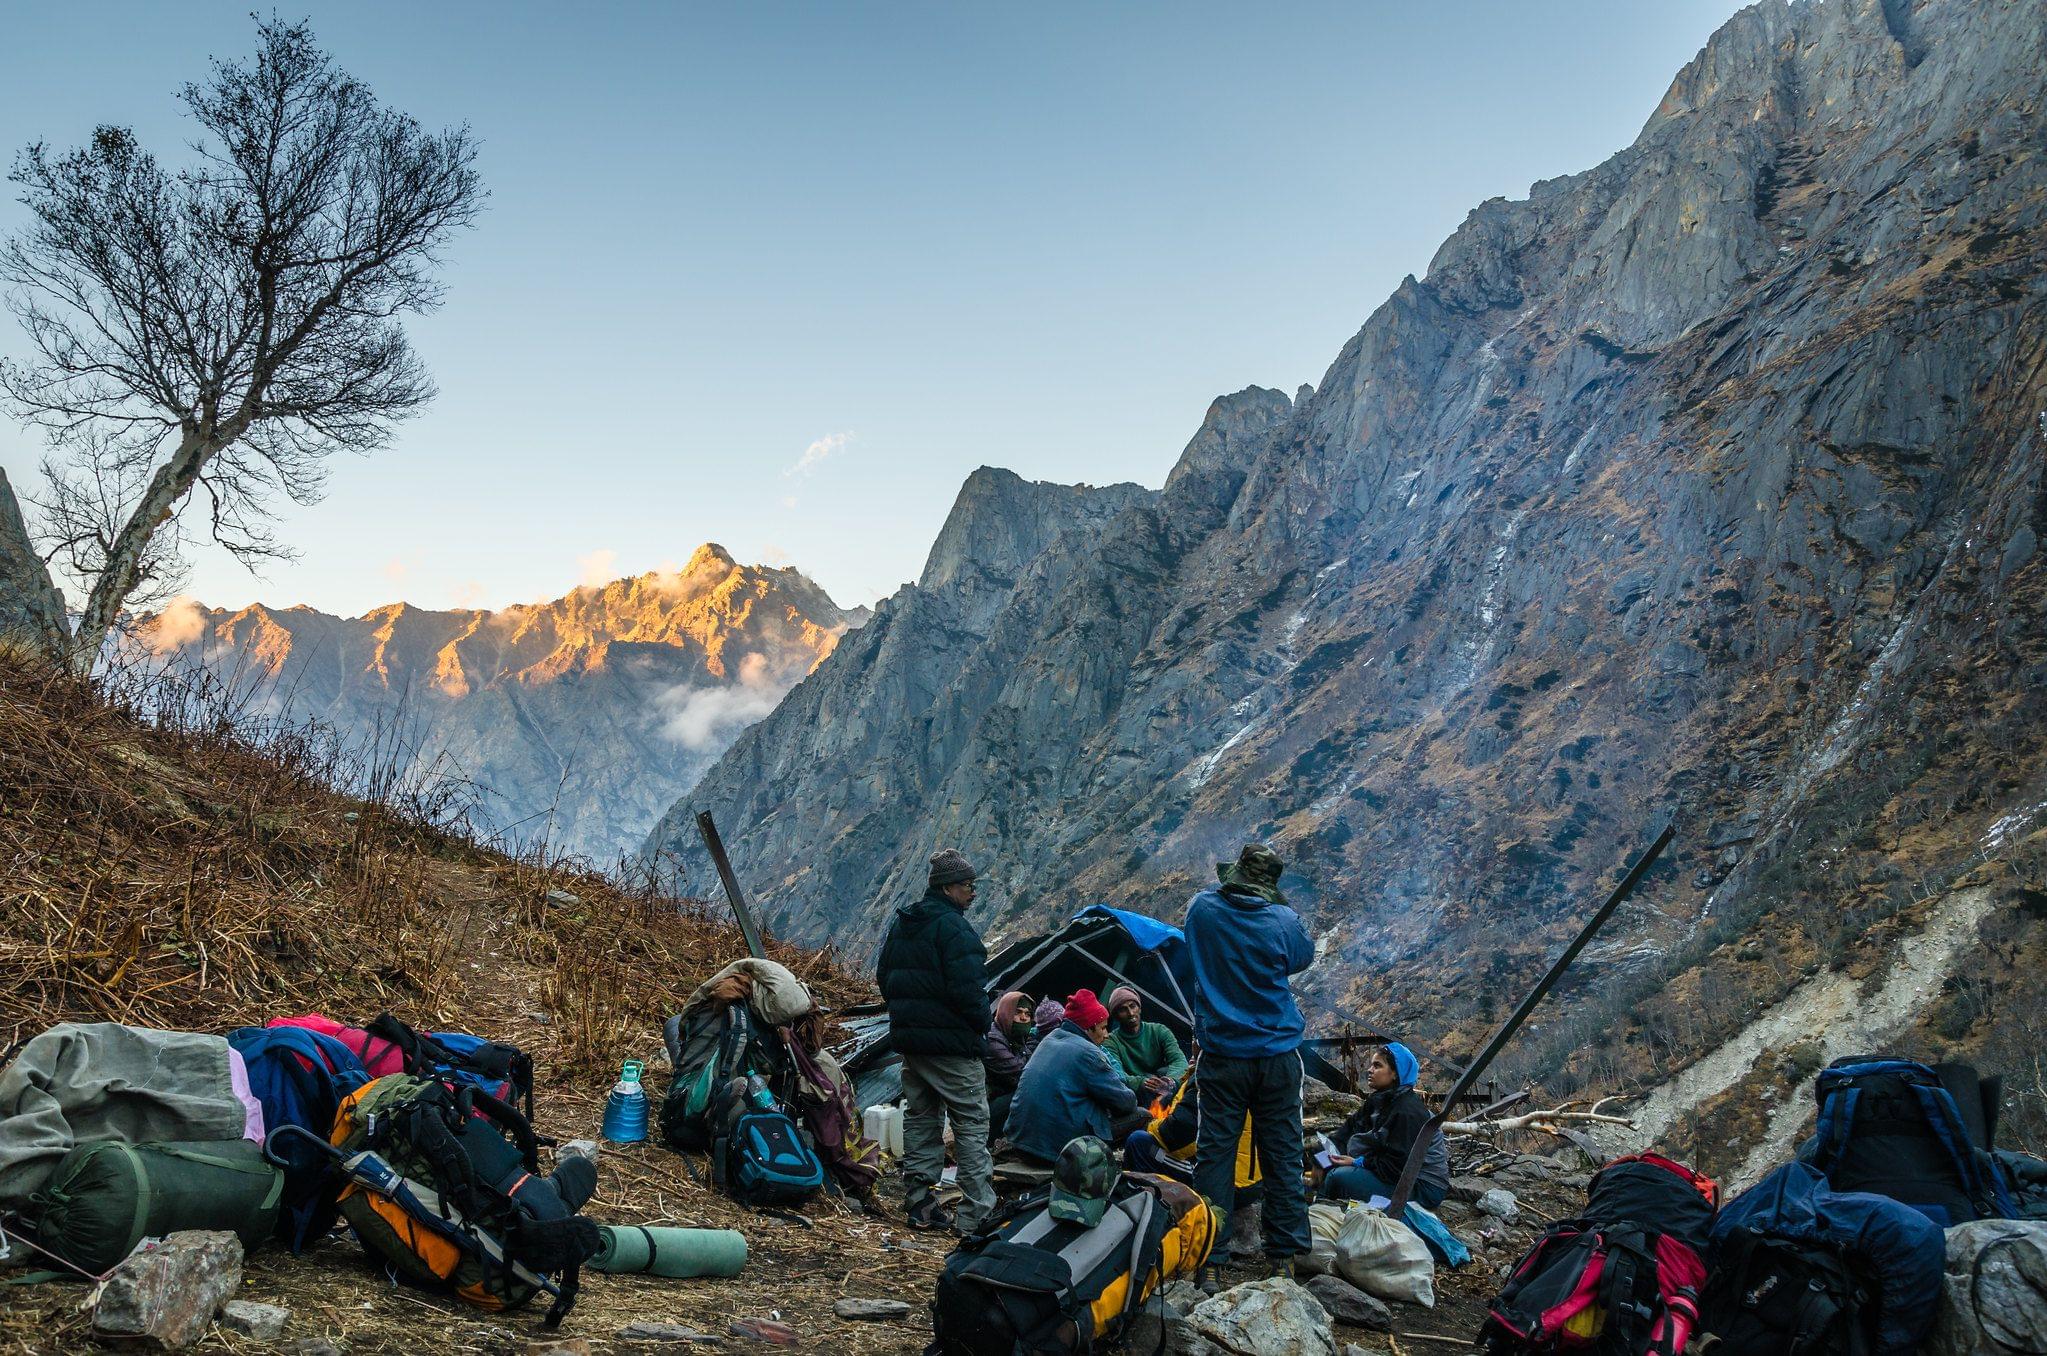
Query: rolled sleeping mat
column 631, row 1249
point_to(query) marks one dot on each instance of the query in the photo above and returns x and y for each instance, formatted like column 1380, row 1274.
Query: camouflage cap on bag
column 1082, row 1181
column 1256, row 871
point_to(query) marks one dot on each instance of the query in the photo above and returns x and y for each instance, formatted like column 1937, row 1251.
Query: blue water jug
column 625, row 1111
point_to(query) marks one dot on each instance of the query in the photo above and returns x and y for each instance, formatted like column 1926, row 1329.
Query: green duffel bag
column 107, row 1196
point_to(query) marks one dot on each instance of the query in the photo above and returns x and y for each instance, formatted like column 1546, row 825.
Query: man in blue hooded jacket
column 1243, row 942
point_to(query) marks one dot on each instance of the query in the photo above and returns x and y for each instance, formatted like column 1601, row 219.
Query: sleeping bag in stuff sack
column 106, row 1197
column 1030, row 1283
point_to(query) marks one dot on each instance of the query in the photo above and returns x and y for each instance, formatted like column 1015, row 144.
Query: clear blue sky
column 924, row 237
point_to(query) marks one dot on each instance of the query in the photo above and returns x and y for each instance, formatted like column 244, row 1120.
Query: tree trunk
column 122, row 570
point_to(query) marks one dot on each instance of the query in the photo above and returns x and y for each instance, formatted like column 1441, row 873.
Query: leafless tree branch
column 225, row 327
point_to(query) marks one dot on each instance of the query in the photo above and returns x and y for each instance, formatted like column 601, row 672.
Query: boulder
column 1996, row 1289
column 1273, row 1317
column 31, row 608
column 1159, row 1327
column 1349, row 1305
column 262, row 1322
column 1499, row 1203
column 1468, row 1189
column 170, row 1293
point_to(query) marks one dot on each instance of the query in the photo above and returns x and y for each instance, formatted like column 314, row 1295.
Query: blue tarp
column 1149, row 933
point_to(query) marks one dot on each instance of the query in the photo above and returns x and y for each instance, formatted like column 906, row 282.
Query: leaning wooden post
column 715, row 845
column 1520, row 1014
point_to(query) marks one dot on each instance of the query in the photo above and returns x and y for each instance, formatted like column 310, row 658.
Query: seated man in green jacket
column 1146, row 1054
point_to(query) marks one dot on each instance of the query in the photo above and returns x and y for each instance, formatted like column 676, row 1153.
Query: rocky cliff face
column 1706, row 482
column 580, row 719
column 31, row 609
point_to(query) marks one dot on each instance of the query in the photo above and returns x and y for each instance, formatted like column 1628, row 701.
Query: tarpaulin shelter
column 1100, row 949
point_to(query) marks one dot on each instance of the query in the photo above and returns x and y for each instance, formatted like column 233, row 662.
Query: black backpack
column 766, row 1159
column 1622, row 1279
column 1027, row 1284
column 1770, row 1296
column 712, row 1055
column 504, row 1071
column 1894, row 1128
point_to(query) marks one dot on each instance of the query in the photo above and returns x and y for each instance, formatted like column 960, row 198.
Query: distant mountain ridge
column 1707, row 482
column 581, row 718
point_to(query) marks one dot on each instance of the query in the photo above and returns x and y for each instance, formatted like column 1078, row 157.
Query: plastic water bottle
column 757, row 1092
column 625, row 1111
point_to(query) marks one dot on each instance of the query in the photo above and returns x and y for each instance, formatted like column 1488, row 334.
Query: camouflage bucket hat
column 1256, row 871
column 1082, row 1181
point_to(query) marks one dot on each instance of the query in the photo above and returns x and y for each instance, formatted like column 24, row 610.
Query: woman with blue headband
column 1377, row 1137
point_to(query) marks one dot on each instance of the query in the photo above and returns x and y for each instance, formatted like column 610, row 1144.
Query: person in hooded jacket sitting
column 1070, row 1087
column 1376, row 1138
column 1005, row 1048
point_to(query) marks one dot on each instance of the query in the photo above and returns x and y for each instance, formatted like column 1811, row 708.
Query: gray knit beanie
column 949, row 866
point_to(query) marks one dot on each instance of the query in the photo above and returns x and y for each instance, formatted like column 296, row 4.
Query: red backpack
column 1623, row 1279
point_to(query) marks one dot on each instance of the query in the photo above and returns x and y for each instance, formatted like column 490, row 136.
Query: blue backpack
column 766, row 1160
column 1800, row 1267
column 300, row 1077
column 1889, row 1126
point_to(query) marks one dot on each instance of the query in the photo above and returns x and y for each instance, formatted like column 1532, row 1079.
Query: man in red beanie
column 1070, row 1087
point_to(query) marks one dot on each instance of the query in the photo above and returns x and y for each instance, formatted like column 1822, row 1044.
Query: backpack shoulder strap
column 1836, row 1120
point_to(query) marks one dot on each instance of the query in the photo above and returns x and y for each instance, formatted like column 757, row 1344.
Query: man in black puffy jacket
column 933, row 974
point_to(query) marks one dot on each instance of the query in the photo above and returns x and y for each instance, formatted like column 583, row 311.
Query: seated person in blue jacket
column 1070, row 1087
column 1375, row 1139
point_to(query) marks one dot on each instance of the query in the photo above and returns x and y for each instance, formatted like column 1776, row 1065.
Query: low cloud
column 181, row 622
column 707, row 719
column 814, row 455
column 598, row 568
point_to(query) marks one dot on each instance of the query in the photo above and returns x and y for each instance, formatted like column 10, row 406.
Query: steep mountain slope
column 579, row 719
column 1707, row 482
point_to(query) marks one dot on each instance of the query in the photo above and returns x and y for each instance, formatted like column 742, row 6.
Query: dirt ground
column 794, row 1273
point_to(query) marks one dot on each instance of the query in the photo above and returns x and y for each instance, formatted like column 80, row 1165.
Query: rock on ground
column 1500, row 1203
column 263, row 1322
column 1349, row 1305
column 1996, row 1289
column 1273, row 1317
column 170, row 1293
column 870, row 1308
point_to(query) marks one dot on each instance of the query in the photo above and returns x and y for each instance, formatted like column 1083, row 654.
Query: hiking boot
column 1282, row 1268
column 929, row 1214
column 1210, row 1281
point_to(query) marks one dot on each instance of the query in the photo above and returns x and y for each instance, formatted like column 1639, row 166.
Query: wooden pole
column 1519, row 1015
column 707, row 828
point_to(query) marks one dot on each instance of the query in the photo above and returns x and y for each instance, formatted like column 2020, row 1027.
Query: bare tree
column 228, row 326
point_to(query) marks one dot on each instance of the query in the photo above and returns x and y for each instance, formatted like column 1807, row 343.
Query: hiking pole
column 1506, row 1030
column 713, row 844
